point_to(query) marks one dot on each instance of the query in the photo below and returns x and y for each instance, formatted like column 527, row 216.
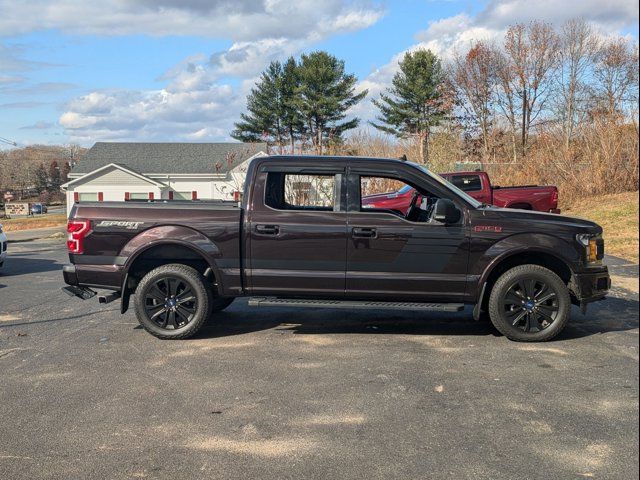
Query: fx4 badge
column 119, row 224
column 487, row 228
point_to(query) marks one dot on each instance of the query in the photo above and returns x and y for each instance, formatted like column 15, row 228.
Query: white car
column 3, row 246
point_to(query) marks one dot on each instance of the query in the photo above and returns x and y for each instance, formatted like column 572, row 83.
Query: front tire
column 529, row 303
column 172, row 302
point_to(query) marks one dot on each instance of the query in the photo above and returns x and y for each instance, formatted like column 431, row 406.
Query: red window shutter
column 194, row 195
column 100, row 197
column 76, row 197
column 126, row 196
column 170, row 195
column 150, row 195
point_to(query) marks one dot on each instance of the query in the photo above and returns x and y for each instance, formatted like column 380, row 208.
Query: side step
column 367, row 305
column 82, row 293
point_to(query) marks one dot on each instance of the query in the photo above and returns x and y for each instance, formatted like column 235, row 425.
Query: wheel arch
column 534, row 256
column 165, row 245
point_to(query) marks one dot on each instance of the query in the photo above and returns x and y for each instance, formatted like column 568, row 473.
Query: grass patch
column 27, row 223
column 617, row 214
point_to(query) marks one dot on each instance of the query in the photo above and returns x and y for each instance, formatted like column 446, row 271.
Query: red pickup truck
column 478, row 185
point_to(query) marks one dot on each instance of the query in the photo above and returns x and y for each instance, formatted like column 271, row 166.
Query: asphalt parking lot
column 287, row 393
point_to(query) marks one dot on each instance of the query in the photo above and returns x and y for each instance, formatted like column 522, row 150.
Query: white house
column 190, row 171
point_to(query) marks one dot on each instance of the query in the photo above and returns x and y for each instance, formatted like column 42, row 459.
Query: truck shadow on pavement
column 611, row 315
column 20, row 265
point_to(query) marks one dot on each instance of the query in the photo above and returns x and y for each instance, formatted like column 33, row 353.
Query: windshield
column 450, row 186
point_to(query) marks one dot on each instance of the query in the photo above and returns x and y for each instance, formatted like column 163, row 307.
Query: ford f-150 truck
column 478, row 185
column 301, row 237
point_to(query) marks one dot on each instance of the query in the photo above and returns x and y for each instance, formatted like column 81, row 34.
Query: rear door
column 297, row 231
column 391, row 257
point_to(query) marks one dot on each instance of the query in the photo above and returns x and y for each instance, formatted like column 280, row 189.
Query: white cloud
column 453, row 34
column 198, row 102
column 243, row 20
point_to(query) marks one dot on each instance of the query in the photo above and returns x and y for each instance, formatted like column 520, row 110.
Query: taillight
column 554, row 199
column 77, row 230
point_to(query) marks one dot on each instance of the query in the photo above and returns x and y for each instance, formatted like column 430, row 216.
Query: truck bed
column 121, row 231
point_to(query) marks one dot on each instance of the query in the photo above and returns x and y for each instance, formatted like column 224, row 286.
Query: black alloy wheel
column 170, row 302
column 531, row 305
column 173, row 301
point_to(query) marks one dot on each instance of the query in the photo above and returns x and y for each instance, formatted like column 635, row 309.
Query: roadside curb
column 35, row 235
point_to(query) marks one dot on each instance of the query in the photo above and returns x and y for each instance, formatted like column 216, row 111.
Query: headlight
column 593, row 247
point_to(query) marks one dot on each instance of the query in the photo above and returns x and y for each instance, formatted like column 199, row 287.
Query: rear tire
column 172, row 302
column 529, row 303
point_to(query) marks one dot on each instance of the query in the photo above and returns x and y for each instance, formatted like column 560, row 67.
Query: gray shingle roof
column 169, row 157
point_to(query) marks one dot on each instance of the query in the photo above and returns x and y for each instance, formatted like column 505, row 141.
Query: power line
column 9, row 142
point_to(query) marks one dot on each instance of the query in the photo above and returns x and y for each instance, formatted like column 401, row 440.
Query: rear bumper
column 99, row 276
column 591, row 286
column 555, row 210
column 69, row 275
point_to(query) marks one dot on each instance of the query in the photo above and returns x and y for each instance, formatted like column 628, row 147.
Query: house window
column 139, row 196
column 182, row 195
column 87, row 196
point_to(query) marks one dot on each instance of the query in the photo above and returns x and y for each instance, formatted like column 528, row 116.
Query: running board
column 368, row 305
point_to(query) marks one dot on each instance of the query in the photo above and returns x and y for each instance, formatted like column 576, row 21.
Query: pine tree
column 289, row 87
column 54, row 176
column 42, row 179
column 326, row 93
column 415, row 103
column 264, row 120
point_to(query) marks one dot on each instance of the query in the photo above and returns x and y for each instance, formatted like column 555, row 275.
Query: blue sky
column 179, row 70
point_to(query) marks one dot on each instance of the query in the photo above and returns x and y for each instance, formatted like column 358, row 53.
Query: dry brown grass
column 618, row 216
column 28, row 223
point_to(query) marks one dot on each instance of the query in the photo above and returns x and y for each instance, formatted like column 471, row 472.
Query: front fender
column 525, row 243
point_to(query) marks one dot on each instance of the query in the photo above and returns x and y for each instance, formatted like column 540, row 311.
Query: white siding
column 115, row 176
column 113, row 183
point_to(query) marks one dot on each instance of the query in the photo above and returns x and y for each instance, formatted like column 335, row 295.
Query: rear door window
column 292, row 191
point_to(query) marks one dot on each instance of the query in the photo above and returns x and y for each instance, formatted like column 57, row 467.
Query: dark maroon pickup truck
column 303, row 238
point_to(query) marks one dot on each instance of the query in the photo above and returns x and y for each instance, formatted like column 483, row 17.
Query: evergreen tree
column 325, row 94
column 42, row 179
column 289, row 87
column 415, row 103
column 64, row 174
column 265, row 112
column 54, row 176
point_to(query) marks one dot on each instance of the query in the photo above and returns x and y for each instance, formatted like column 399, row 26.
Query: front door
column 400, row 254
column 297, row 232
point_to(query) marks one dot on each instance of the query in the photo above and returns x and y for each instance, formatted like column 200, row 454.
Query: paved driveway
column 286, row 393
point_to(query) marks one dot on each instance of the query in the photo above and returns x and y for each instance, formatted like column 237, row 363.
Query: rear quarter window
column 466, row 183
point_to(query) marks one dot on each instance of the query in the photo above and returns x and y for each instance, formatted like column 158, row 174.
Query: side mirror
column 445, row 211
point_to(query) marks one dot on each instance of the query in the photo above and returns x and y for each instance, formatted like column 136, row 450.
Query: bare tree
column 530, row 56
column 578, row 47
column 475, row 80
column 616, row 77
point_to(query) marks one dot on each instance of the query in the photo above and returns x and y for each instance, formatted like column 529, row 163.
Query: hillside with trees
column 37, row 170
column 542, row 105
